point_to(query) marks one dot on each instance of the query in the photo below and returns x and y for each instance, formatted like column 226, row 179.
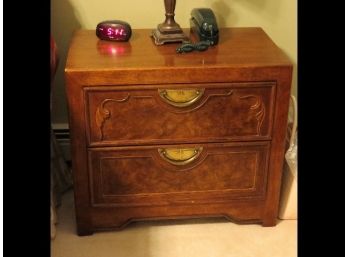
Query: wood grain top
column 237, row 48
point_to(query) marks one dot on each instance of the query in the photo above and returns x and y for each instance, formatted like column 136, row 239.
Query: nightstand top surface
column 237, row 48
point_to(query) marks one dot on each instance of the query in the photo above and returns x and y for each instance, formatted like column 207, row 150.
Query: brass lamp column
column 169, row 30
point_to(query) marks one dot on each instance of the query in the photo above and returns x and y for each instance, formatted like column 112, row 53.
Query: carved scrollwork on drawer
column 259, row 108
column 102, row 113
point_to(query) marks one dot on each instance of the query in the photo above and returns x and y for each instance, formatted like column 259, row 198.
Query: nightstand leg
column 269, row 222
column 84, row 231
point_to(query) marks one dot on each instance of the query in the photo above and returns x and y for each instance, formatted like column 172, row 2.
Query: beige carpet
column 190, row 238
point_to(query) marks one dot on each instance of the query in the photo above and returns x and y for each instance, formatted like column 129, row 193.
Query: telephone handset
column 203, row 24
column 204, row 27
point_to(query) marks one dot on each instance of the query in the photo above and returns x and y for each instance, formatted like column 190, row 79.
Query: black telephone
column 203, row 24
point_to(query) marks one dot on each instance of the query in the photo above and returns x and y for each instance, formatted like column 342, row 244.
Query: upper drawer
column 159, row 114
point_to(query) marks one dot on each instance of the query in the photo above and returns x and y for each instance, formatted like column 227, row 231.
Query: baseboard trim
column 62, row 134
column 60, row 126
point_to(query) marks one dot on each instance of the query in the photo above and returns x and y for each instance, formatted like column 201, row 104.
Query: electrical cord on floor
column 187, row 47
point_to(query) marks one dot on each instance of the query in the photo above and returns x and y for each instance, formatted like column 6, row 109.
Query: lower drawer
column 174, row 174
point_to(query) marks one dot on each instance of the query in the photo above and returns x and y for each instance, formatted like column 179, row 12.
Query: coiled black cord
column 187, row 47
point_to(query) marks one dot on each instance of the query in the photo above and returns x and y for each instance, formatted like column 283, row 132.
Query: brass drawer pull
column 180, row 156
column 181, row 97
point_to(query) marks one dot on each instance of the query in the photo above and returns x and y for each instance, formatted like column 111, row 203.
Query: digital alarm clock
column 114, row 30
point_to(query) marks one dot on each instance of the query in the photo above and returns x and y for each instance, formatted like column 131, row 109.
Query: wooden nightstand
column 156, row 134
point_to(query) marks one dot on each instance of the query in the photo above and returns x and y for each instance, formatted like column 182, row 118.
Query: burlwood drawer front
column 191, row 173
column 179, row 113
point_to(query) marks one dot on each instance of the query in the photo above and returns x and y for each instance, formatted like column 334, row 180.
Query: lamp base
column 162, row 36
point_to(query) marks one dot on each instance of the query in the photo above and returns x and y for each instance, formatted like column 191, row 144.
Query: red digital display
column 114, row 30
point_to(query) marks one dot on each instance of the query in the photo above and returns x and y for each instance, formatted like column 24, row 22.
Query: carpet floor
column 208, row 237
